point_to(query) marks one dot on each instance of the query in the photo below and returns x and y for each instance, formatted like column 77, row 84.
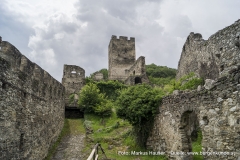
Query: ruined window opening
column 205, row 119
column 24, row 94
column 4, row 85
column 221, row 68
column 73, row 72
column 21, row 141
column 196, row 138
column 133, row 72
column 188, row 130
column 138, row 80
column 238, row 121
column 185, row 120
column 218, row 55
column 194, row 135
column 221, row 49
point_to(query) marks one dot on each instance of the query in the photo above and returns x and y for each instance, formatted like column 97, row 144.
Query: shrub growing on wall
column 110, row 88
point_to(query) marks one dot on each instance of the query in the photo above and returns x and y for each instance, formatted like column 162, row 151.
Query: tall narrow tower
column 121, row 56
column 73, row 80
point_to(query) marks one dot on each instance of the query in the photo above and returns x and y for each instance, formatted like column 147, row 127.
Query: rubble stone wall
column 31, row 107
column 216, row 112
column 211, row 58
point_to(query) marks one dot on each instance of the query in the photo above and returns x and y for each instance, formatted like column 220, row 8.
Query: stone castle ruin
column 212, row 58
column 122, row 63
column 73, row 80
column 32, row 102
column 213, row 110
column 98, row 76
column 123, row 66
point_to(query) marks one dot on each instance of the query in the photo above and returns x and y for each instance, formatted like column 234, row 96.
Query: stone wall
column 137, row 72
column 121, row 56
column 98, row 76
column 211, row 58
column 31, row 107
column 73, row 80
column 216, row 112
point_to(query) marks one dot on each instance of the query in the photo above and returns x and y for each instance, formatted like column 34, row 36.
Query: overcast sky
column 77, row 32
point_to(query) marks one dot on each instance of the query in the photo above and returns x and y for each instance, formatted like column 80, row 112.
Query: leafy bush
column 189, row 81
column 110, row 88
column 104, row 108
column 92, row 101
column 139, row 104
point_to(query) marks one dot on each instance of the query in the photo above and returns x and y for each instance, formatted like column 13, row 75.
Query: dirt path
column 71, row 145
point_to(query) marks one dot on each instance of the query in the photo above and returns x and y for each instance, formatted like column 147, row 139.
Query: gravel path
column 70, row 148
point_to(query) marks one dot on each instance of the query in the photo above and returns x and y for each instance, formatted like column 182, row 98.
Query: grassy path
column 71, row 141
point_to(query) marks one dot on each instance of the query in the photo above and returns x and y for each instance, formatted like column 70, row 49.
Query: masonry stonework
column 211, row 58
column 213, row 109
column 216, row 112
column 98, row 76
column 31, row 107
column 73, row 80
column 123, row 65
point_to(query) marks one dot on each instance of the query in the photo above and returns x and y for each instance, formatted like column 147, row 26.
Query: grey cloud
column 14, row 31
column 82, row 39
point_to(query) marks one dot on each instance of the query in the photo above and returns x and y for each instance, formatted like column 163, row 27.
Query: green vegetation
column 114, row 134
column 155, row 71
column 138, row 104
column 71, row 98
column 71, row 126
column 197, row 146
column 130, row 110
column 189, row 81
column 160, row 75
column 92, row 101
column 104, row 71
column 65, row 131
column 110, row 88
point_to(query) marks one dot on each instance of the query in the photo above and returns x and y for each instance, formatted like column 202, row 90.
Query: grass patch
column 71, row 126
column 114, row 134
column 76, row 126
column 65, row 131
column 197, row 146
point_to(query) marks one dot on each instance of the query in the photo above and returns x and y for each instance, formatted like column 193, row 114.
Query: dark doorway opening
column 73, row 113
column 138, row 80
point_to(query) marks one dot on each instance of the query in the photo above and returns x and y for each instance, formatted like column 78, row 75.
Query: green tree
column 160, row 71
column 139, row 104
column 92, row 101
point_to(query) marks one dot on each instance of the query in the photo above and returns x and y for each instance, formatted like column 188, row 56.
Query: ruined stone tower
column 123, row 65
column 73, row 80
column 121, row 56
